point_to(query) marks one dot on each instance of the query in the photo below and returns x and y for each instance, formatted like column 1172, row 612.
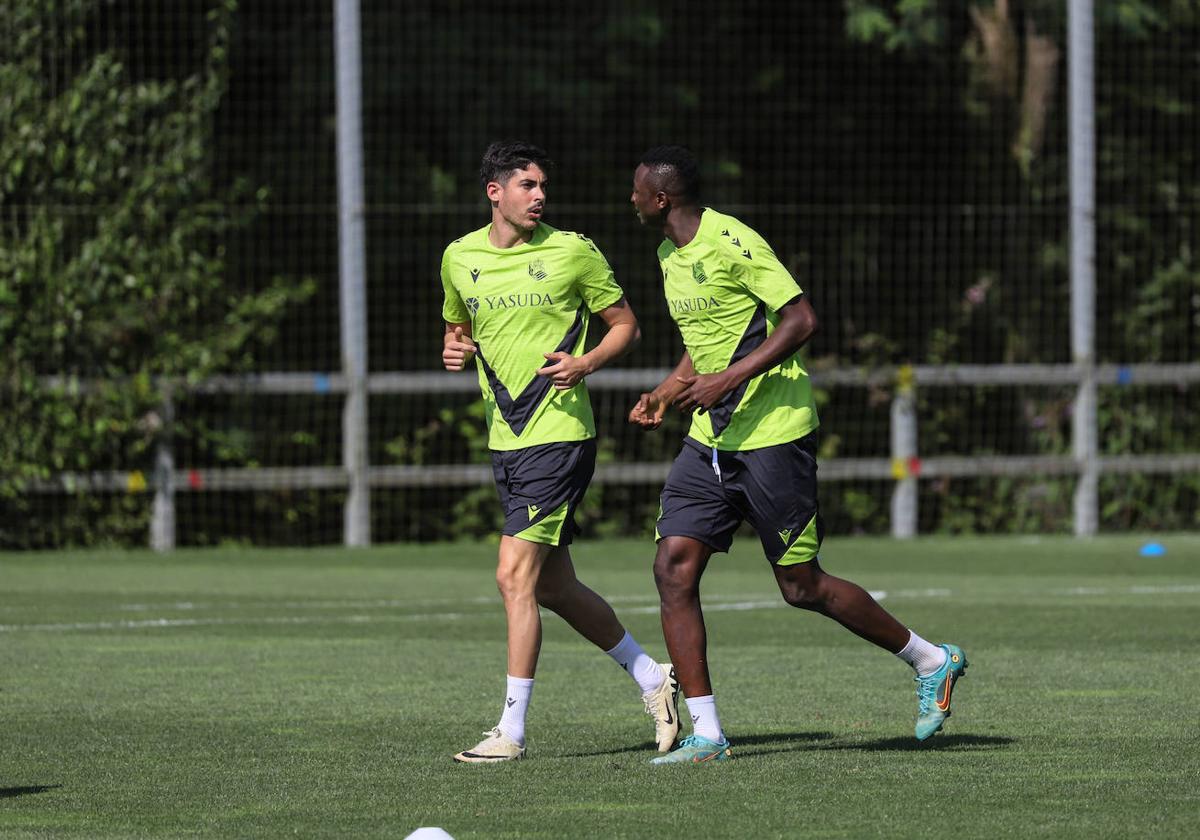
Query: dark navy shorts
column 540, row 487
column 773, row 488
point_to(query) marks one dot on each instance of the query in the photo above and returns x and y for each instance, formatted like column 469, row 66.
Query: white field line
column 159, row 623
column 397, row 603
column 350, row 603
column 712, row 605
column 715, row 605
column 1175, row 589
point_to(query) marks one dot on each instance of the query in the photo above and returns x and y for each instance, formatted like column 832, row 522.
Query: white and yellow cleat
column 662, row 704
column 496, row 746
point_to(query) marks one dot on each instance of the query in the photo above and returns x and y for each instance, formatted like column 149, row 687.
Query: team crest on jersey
column 698, row 272
column 537, row 270
column 472, row 304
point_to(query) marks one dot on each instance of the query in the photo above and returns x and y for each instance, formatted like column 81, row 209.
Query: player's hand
column 567, row 370
column 457, row 351
column 648, row 413
column 702, row 391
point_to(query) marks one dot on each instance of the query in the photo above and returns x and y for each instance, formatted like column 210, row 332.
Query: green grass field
column 321, row 693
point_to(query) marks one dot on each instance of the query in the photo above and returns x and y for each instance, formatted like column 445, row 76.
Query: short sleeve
column 764, row 275
column 594, row 277
column 454, row 311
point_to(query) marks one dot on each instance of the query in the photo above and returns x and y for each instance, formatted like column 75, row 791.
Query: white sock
column 923, row 656
column 516, row 702
column 637, row 663
column 705, row 722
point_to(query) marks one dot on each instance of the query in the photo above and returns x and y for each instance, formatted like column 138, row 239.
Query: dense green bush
column 113, row 279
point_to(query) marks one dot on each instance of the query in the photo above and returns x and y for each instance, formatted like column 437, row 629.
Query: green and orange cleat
column 695, row 749
column 934, row 691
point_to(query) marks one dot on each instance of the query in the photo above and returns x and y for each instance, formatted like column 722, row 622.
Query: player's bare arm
column 797, row 323
column 623, row 333
column 457, row 347
column 651, row 406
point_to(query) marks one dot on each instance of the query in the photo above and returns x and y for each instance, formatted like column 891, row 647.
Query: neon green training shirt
column 724, row 290
column 522, row 302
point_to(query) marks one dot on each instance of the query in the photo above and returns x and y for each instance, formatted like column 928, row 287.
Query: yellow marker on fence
column 136, row 483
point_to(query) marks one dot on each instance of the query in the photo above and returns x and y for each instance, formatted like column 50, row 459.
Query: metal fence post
column 904, row 455
column 1082, row 141
column 162, row 517
column 352, row 268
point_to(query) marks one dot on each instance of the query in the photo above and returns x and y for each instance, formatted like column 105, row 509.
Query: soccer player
column 750, row 453
column 518, row 297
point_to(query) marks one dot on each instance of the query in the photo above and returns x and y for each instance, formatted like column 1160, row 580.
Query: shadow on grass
column 784, row 742
column 632, row 748
column 938, row 742
column 10, row 792
column 792, row 740
column 778, row 742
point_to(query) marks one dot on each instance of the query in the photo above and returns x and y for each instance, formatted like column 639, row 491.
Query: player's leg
column 789, row 526
column 777, row 488
column 562, row 472
column 593, row 618
column 807, row 586
column 517, row 571
column 696, row 520
column 524, row 547
column 678, row 567
column 539, row 488
column 559, row 590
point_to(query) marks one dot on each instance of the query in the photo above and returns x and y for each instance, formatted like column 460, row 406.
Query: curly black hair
column 505, row 157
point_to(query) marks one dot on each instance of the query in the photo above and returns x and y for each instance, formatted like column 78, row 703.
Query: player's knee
column 804, row 592
column 667, row 585
column 673, row 578
column 514, row 583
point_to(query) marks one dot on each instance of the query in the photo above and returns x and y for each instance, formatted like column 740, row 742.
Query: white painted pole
column 1082, row 141
column 904, row 456
column 162, row 516
column 352, row 268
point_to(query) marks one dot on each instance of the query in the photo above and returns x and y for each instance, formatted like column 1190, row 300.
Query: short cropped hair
column 505, row 157
column 677, row 170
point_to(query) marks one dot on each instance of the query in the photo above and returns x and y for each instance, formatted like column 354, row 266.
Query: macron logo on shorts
column 785, row 535
column 534, row 510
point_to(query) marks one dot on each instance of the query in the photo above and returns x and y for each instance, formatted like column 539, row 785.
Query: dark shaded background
column 907, row 162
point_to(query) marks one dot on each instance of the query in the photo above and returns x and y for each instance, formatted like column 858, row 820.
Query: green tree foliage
column 906, row 158
column 112, row 265
column 1148, row 191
